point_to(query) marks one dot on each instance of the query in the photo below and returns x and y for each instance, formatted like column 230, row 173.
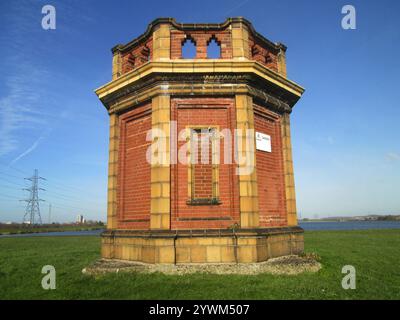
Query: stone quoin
column 200, row 212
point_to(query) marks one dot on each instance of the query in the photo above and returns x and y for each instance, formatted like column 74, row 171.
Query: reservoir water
column 313, row 225
column 55, row 234
column 349, row 225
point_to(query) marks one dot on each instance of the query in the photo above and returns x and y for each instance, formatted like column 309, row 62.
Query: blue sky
column 345, row 132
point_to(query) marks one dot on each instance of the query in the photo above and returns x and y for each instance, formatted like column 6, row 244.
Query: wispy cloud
column 23, row 78
column 26, row 98
column 330, row 140
column 31, row 148
column 236, row 6
column 393, row 156
column 28, row 151
column 17, row 109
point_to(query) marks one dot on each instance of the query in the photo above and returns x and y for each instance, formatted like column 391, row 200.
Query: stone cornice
column 224, row 73
column 131, row 98
column 262, row 232
column 275, row 47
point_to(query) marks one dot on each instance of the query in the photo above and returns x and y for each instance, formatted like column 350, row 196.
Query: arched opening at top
column 268, row 58
column 131, row 60
column 213, row 49
column 188, row 48
column 145, row 53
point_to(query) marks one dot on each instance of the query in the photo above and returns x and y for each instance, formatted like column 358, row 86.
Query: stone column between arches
column 162, row 43
column 240, row 41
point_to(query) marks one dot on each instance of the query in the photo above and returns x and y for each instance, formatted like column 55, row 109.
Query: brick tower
column 167, row 112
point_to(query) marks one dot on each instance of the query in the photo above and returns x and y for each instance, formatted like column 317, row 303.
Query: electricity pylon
column 32, row 210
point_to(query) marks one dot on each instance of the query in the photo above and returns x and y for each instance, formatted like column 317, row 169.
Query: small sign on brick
column 263, row 142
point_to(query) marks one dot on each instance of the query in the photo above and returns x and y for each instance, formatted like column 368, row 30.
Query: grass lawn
column 374, row 253
column 20, row 229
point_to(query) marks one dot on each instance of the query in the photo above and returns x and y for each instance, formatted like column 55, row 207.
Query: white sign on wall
column 263, row 142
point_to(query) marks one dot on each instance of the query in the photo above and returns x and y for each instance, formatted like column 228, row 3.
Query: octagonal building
column 183, row 92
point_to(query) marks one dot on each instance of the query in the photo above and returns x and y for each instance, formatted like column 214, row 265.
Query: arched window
column 188, row 48
column 213, row 48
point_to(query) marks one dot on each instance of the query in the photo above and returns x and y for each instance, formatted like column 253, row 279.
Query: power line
column 50, row 181
column 33, row 208
column 64, row 196
column 11, row 200
column 72, row 198
column 8, row 196
column 12, row 182
column 12, row 167
column 63, row 206
column 66, row 188
column 59, row 205
column 55, row 195
column 67, row 193
column 7, row 187
column 10, row 175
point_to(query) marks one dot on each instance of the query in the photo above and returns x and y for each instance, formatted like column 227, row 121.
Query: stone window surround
column 191, row 198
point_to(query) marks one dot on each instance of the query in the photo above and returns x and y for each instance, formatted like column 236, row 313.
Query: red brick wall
column 270, row 177
column 208, row 112
column 137, row 56
column 260, row 53
column 201, row 38
column 257, row 51
column 134, row 171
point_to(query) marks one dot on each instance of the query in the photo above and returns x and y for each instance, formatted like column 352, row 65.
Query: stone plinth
column 202, row 246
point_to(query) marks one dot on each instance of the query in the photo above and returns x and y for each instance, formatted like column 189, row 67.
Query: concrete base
column 286, row 265
column 202, row 246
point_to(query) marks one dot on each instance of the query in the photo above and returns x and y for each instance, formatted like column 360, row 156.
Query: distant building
column 80, row 219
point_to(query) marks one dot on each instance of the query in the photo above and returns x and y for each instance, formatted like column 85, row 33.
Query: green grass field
column 21, row 229
column 374, row 253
